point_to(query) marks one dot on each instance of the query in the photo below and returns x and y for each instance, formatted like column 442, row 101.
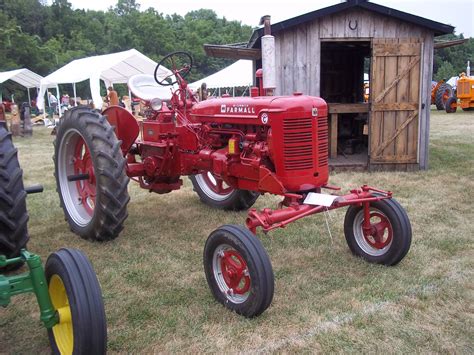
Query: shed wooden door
column 395, row 97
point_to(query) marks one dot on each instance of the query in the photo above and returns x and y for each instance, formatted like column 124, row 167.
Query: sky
column 458, row 13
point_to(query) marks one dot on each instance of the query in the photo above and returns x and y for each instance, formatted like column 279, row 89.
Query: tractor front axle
column 269, row 219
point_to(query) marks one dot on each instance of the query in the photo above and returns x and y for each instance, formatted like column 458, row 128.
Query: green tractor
column 67, row 290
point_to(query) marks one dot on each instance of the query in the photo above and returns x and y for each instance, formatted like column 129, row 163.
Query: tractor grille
column 463, row 88
column 298, row 143
column 323, row 142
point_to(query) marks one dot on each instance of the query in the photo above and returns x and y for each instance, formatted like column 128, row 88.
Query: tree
column 45, row 37
column 445, row 71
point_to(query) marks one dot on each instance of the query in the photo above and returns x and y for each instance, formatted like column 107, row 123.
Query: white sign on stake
column 317, row 199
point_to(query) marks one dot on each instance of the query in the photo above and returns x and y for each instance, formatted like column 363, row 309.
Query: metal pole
column 29, row 98
column 59, row 102
column 75, row 96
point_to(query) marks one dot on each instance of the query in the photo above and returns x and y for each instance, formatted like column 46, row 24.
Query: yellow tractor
column 465, row 94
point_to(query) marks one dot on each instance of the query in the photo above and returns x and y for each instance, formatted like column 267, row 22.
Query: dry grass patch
column 157, row 299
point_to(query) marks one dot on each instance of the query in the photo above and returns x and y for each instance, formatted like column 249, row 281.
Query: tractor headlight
column 156, row 104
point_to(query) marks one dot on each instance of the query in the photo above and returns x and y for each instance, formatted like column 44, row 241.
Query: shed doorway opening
column 345, row 75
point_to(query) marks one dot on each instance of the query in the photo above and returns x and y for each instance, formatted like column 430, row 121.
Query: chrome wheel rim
column 214, row 188
column 78, row 196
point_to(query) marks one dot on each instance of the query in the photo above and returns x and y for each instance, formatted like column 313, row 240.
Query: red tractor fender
column 125, row 125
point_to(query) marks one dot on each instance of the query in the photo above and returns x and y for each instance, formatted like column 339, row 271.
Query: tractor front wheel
column 389, row 237
column 77, row 298
column 214, row 192
column 451, row 105
column 238, row 270
column 90, row 175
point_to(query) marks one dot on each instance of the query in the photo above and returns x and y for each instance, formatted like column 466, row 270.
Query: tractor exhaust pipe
column 268, row 57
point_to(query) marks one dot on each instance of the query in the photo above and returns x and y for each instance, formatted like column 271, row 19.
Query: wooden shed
column 332, row 52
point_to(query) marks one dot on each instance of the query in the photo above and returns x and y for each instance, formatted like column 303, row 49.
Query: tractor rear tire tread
column 13, row 213
column 439, row 97
column 110, row 210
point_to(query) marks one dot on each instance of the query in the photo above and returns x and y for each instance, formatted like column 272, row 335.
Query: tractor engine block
column 286, row 135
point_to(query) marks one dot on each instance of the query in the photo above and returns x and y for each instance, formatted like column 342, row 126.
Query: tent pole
column 59, row 102
column 75, row 96
column 233, row 91
column 219, row 92
column 29, row 98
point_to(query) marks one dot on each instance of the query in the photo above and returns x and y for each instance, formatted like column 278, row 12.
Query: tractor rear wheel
column 215, row 193
column 90, row 175
column 238, row 270
column 13, row 213
column 76, row 295
column 444, row 92
column 451, row 105
column 390, row 237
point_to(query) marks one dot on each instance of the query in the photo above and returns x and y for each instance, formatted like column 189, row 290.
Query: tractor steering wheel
column 179, row 63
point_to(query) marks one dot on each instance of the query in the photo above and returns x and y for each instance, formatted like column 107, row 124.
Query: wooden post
column 15, row 121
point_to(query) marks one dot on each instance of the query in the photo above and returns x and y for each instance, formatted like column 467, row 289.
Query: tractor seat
column 146, row 88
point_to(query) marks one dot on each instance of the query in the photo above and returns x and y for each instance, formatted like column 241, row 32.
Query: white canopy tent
column 24, row 77
column 235, row 75
column 111, row 68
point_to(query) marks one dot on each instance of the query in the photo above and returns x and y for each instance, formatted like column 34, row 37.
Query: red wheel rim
column 235, row 272
column 381, row 231
column 217, row 185
column 83, row 165
column 446, row 95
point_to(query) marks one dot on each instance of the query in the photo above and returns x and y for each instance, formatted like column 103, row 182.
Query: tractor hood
column 248, row 110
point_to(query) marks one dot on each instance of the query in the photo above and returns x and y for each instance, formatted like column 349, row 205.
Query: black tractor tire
column 398, row 226
column 99, row 215
column 13, row 213
column 451, row 105
column 72, row 283
column 255, row 277
column 235, row 200
column 441, row 98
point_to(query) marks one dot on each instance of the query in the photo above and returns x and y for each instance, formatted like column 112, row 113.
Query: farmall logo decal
column 239, row 109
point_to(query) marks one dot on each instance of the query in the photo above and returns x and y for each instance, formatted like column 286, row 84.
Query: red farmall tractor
column 233, row 150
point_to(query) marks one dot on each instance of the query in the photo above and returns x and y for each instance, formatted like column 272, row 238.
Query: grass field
column 326, row 300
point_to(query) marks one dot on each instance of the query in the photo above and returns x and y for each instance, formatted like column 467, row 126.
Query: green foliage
column 451, row 61
column 45, row 37
column 445, row 71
